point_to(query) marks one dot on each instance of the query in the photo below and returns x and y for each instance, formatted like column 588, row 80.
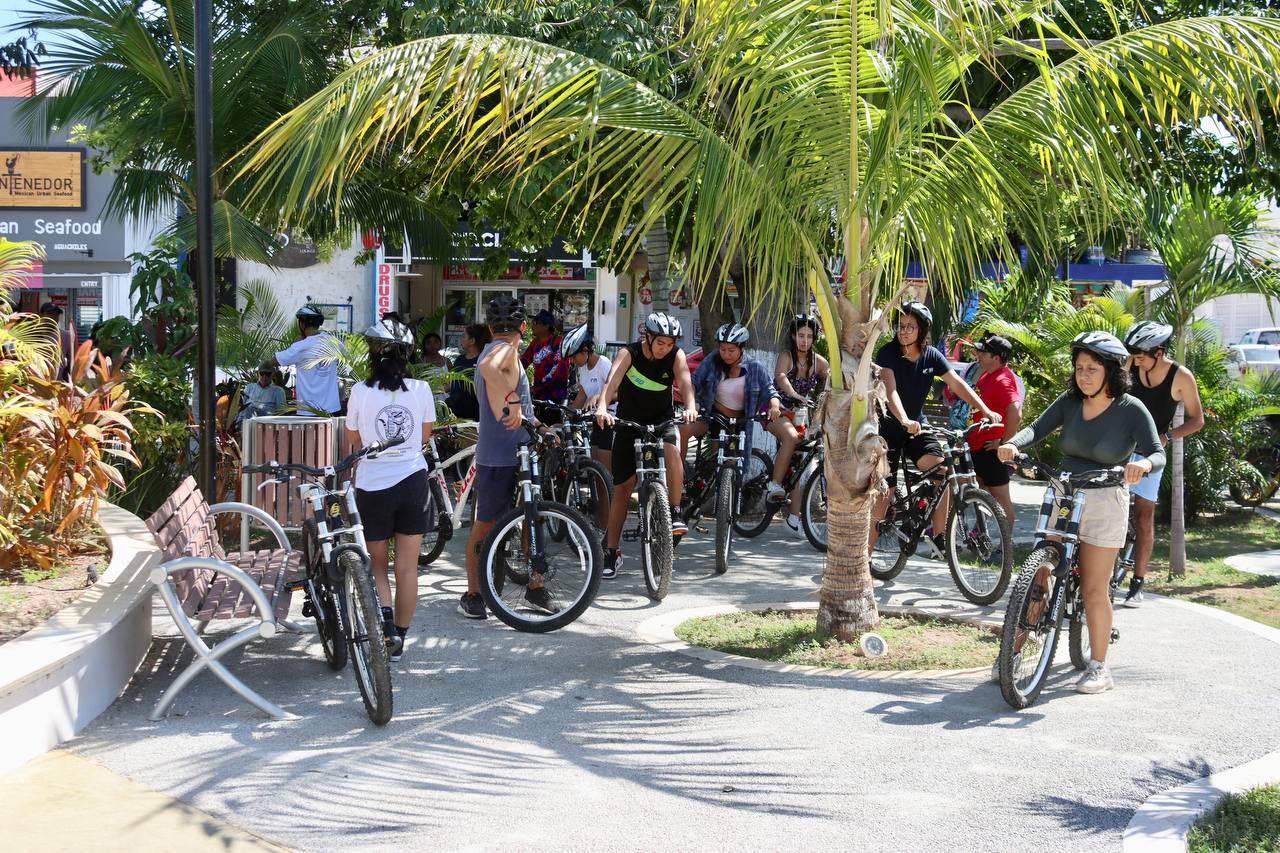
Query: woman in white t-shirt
column 579, row 348
column 391, row 488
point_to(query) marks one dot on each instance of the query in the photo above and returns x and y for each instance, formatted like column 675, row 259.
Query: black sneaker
column 395, row 643
column 612, row 562
column 471, row 605
column 540, row 599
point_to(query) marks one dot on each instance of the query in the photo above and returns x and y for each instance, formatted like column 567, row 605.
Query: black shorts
column 990, row 470
column 624, row 452
column 400, row 509
column 601, row 438
column 915, row 446
column 495, row 487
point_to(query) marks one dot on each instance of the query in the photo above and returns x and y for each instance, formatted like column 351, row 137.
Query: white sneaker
column 774, row 493
column 793, row 524
column 1133, row 600
column 1096, row 679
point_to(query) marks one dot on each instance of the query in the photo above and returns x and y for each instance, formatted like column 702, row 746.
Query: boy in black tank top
column 1160, row 384
column 642, row 379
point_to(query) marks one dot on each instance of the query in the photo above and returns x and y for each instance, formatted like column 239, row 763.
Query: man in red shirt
column 997, row 388
column 550, row 369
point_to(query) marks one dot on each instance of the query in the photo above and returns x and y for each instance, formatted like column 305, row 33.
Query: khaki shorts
column 1105, row 520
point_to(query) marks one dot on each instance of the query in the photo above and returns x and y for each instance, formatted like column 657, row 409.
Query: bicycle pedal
column 296, row 586
column 701, row 528
column 1115, row 635
column 308, row 609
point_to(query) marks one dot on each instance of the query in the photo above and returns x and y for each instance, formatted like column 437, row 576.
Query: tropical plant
column 822, row 127
column 252, row 332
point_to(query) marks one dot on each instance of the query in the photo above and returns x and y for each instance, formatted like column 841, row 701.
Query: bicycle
column 1258, row 485
column 1048, row 587
column 653, row 527
column 338, row 585
column 721, row 475
column 527, row 581
column 570, row 475
column 1124, row 559
column 979, row 538
column 756, row 512
column 445, row 505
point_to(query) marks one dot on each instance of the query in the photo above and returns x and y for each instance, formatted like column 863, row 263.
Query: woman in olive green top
column 1102, row 427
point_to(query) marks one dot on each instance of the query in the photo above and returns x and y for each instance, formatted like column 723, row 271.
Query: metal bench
column 199, row 583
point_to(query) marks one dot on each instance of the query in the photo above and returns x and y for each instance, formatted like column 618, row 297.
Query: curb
column 59, row 676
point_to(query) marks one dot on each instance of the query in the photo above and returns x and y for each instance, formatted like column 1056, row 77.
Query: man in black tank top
column 1160, row 384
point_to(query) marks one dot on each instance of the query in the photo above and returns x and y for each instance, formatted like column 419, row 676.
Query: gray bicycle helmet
column 732, row 333
column 310, row 314
column 662, row 325
column 504, row 314
column 1147, row 336
column 1104, row 345
column 575, row 340
column 388, row 336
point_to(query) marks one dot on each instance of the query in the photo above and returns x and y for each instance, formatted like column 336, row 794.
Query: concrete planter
column 56, row 678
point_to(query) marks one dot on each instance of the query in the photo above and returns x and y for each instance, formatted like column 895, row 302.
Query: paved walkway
column 590, row 738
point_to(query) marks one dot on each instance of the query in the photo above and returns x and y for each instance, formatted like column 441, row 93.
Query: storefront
column 567, row 292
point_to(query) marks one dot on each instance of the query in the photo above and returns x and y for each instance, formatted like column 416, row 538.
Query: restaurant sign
column 42, row 178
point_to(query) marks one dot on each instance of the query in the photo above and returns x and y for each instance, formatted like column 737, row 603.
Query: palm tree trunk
column 658, row 251
column 1177, row 520
column 846, row 605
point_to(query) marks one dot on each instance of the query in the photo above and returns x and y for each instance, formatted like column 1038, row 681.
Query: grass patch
column 1209, row 580
column 1242, row 823
column 789, row 636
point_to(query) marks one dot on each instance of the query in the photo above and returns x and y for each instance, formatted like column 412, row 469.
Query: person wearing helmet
column 799, row 374
column 391, row 488
column 1160, row 383
column 505, row 403
column 578, row 349
column 316, row 385
column 731, row 382
column 550, row 370
column 911, row 365
column 641, row 380
column 1101, row 426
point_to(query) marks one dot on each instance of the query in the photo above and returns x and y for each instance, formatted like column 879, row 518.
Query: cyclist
column 503, row 392
column 734, row 384
column 799, row 374
column 641, row 380
column 550, row 370
column 317, row 383
column 391, row 488
column 579, row 349
column 913, row 363
column 1160, row 384
column 1102, row 426
column 998, row 388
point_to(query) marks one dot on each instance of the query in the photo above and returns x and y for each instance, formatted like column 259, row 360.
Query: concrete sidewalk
column 592, row 738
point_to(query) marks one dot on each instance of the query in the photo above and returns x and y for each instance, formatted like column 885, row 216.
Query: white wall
column 329, row 283
column 1234, row 315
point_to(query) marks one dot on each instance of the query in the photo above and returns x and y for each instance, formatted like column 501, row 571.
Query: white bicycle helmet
column 1147, row 336
column 662, row 325
column 310, row 314
column 388, row 335
column 732, row 333
column 575, row 340
column 1104, row 345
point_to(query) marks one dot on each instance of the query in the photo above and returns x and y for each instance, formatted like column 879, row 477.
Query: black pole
column 204, row 248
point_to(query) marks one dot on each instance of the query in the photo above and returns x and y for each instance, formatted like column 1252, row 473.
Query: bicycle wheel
column 754, row 510
column 587, row 490
column 979, row 546
column 724, row 520
column 368, row 649
column 813, row 510
column 891, row 550
column 439, row 527
column 655, row 539
column 571, row 574
column 323, row 606
column 1028, row 639
column 1078, row 634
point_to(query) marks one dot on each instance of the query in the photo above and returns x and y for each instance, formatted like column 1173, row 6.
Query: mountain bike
column 718, row 474
column 978, row 537
column 569, row 473
column 755, row 512
column 1048, row 588
column 449, row 484
column 1124, row 559
column 338, row 586
column 530, row 581
column 653, row 526
column 1254, row 489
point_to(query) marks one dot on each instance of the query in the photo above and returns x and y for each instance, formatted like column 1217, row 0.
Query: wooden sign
column 41, row 178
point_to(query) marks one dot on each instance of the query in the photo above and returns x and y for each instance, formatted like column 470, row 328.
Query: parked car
column 1270, row 337
column 1243, row 359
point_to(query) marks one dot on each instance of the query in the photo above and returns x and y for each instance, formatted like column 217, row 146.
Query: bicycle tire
column 369, row 659
column 598, row 493
column 813, row 510
column 969, row 550
column 505, row 544
column 756, row 512
column 656, row 546
column 1014, row 635
column 439, row 527
column 1078, row 635
column 324, row 608
column 724, row 520
column 892, row 552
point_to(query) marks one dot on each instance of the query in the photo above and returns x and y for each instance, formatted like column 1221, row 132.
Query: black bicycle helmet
column 310, row 315
column 733, row 333
column 388, row 336
column 920, row 310
column 504, row 314
column 805, row 320
column 575, row 341
column 662, row 325
column 1104, row 345
column 1148, row 336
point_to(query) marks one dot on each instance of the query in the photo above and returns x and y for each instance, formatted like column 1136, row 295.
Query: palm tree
column 809, row 128
column 1211, row 246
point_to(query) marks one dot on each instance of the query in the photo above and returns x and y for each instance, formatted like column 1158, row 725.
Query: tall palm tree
column 1211, row 246
column 809, row 128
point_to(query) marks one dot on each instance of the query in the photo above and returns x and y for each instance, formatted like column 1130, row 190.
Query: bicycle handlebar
column 958, row 433
column 652, row 430
column 1096, row 478
column 374, row 449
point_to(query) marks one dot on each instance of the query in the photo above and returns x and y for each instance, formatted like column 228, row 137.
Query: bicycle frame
column 454, row 504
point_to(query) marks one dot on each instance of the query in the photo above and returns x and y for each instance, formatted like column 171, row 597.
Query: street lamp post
column 204, row 246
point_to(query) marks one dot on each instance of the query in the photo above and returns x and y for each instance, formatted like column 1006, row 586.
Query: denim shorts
column 1149, row 486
